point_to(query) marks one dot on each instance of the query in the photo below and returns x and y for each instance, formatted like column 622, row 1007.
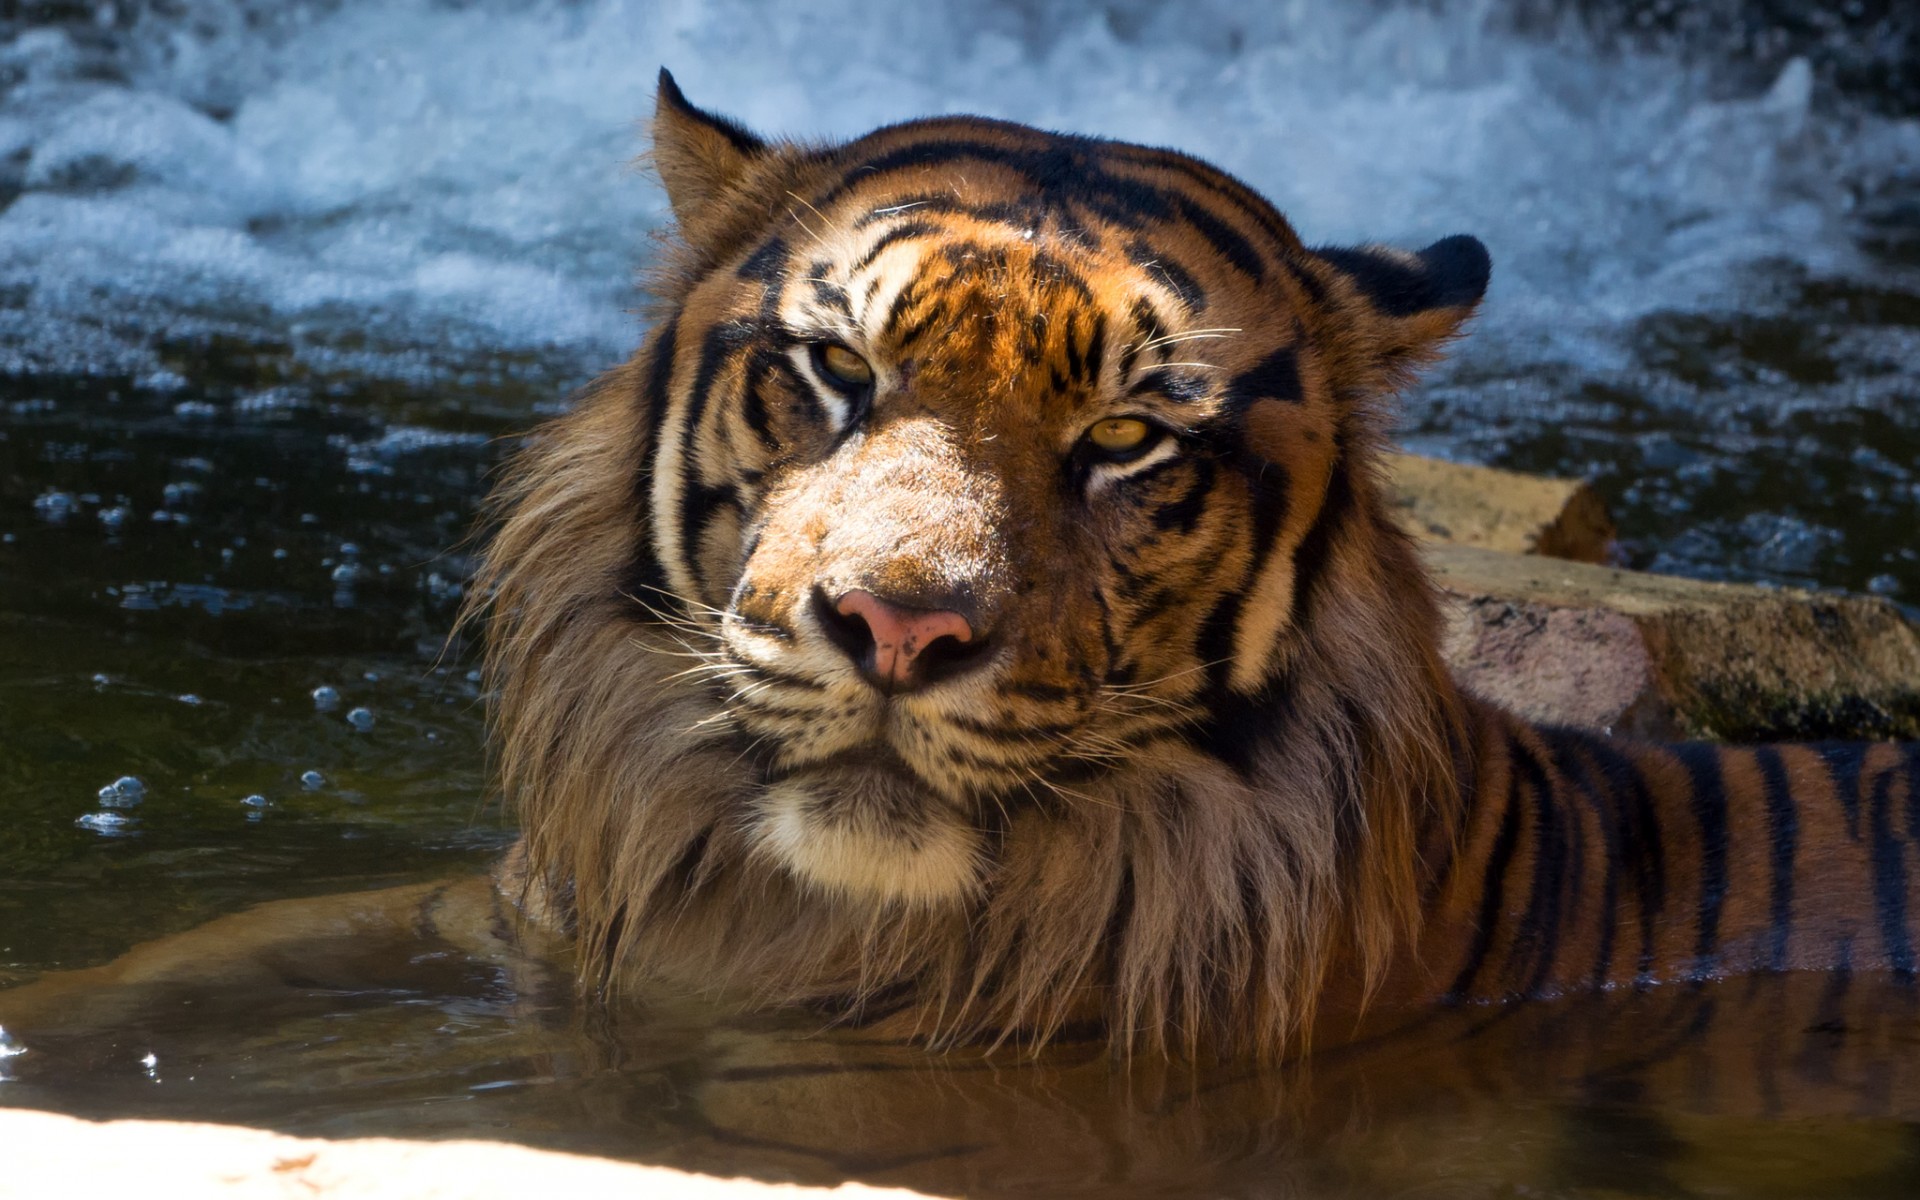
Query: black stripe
column 642, row 582
column 1912, row 751
column 831, row 296
column 1783, row 840
column 753, row 407
column 904, row 299
column 1890, row 881
column 1843, row 768
column 1493, row 883
column 1096, row 353
column 697, row 499
column 1056, row 271
column 1642, row 848
column 1215, row 643
column 1536, row 939
column 1147, row 328
column 1184, row 511
column 899, row 233
column 1168, row 274
column 1311, row 555
column 1709, row 796
column 1076, row 364
column 1173, row 384
column 767, row 264
column 936, row 311
column 1226, row 240
column 1578, row 769
column 1249, row 203
column 1275, row 377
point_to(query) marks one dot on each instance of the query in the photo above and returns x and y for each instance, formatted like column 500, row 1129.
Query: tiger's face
column 988, row 466
column 989, row 484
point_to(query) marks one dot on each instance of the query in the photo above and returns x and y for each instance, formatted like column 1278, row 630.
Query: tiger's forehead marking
column 996, row 311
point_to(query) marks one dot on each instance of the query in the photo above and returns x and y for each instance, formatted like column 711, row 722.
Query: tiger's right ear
column 699, row 155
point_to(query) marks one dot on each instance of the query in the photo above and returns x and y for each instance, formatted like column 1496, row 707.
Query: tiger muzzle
column 901, row 647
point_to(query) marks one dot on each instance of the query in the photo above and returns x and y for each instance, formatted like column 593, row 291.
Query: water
column 274, row 278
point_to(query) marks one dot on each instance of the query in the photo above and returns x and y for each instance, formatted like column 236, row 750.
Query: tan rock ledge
column 1575, row 644
column 1440, row 501
column 51, row 1155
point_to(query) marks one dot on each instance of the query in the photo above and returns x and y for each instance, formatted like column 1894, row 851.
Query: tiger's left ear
column 1402, row 306
column 700, row 156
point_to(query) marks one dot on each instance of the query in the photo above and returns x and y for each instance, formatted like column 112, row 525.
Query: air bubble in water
column 107, row 824
column 53, row 506
column 326, row 698
column 313, row 781
column 124, row 792
column 361, row 719
column 257, row 801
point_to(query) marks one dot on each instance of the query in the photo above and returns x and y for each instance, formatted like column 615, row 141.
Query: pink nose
column 904, row 640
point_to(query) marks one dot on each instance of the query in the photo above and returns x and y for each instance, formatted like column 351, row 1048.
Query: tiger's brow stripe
column 1168, row 274
column 1783, row 836
column 1147, row 331
column 901, row 304
column 1094, row 357
column 904, row 231
column 1173, row 385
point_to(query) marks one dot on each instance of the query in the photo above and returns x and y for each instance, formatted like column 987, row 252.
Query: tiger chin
column 974, row 609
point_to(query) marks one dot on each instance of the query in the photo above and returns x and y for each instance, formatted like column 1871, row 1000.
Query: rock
column 52, row 1155
column 1440, row 501
column 1651, row 655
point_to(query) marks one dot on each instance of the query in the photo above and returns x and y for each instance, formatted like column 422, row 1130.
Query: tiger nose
column 898, row 647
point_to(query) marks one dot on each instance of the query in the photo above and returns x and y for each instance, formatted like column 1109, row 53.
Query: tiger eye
column 1118, row 435
column 844, row 365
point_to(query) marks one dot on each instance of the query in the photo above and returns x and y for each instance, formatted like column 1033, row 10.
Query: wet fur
column 1186, row 900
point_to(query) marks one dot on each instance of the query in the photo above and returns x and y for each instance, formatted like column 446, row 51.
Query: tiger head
column 989, row 522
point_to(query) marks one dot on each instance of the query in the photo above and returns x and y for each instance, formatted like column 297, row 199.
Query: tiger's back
column 1588, row 863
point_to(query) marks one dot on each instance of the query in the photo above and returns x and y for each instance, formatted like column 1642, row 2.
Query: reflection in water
column 1779, row 1086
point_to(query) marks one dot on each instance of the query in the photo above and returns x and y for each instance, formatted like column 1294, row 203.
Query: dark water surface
column 219, row 494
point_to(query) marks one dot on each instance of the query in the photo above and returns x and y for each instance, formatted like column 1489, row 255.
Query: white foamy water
column 447, row 183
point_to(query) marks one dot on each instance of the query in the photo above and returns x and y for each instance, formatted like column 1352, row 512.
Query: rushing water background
column 275, row 278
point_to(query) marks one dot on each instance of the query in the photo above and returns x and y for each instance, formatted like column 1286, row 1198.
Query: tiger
column 973, row 612
column 973, row 618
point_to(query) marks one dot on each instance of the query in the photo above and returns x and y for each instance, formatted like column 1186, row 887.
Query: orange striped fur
column 1174, row 754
